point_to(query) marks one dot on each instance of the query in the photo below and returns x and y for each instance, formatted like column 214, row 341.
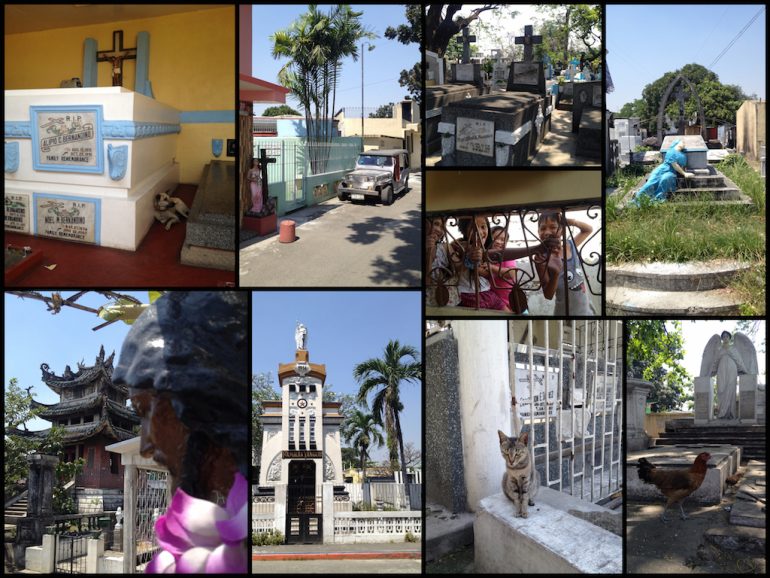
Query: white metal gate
column 575, row 412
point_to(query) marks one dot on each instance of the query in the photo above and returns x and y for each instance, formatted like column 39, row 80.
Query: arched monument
column 681, row 80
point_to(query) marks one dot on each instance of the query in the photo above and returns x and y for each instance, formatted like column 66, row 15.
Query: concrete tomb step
column 724, row 462
column 210, row 239
column 633, row 301
column 662, row 276
column 550, row 540
column 446, row 531
column 751, row 497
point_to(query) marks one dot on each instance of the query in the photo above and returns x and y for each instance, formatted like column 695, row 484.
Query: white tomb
column 84, row 164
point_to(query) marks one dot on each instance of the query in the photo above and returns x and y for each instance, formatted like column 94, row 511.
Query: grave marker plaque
column 67, row 218
column 475, row 136
column 67, row 138
column 17, row 212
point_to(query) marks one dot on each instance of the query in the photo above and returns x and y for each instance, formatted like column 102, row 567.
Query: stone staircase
column 711, row 185
column 18, row 508
column 696, row 288
column 751, row 438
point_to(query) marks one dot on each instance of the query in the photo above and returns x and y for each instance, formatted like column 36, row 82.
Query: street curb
column 339, row 556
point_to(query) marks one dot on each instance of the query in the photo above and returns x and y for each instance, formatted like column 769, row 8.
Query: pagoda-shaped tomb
column 92, row 411
column 301, row 463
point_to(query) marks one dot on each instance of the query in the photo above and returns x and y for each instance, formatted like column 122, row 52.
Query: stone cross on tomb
column 528, row 40
column 467, row 39
column 116, row 56
column 264, row 160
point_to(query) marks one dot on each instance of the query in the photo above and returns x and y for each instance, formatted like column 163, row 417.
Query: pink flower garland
column 199, row 536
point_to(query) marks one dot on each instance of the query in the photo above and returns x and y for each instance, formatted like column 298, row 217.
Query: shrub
column 411, row 537
column 270, row 538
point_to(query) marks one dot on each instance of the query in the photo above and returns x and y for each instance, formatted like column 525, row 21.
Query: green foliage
column 410, row 33
column 270, row 538
column 63, row 502
column 384, row 111
column 261, row 390
column 383, row 377
column 720, row 101
column 409, row 537
column 567, row 23
column 654, row 353
column 363, row 430
column 17, row 412
column 283, row 110
column 735, row 168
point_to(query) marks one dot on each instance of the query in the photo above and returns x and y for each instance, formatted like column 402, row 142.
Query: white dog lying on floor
column 168, row 209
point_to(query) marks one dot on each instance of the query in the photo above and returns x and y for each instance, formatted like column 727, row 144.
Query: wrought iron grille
column 460, row 254
column 569, row 392
column 152, row 501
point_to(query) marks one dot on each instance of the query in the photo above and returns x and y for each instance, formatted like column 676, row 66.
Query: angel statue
column 728, row 356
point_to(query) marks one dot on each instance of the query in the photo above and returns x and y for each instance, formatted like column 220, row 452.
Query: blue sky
column 344, row 329
column 34, row 336
column 383, row 65
column 645, row 42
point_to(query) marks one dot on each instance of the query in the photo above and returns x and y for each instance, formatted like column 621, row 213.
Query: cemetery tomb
column 500, row 129
column 84, row 164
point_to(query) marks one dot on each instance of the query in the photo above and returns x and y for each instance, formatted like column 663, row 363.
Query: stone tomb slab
column 550, row 540
column 437, row 97
column 514, row 120
column 695, row 149
column 723, row 463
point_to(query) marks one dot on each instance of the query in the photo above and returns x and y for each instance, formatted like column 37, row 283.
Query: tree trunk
column 403, row 461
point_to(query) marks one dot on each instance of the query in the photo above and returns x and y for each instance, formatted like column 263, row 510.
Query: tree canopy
column 654, row 353
column 283, row 110
column 720, row 101
column 411, row 33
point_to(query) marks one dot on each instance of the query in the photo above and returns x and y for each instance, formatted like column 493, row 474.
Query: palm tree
column 315, row 44
column 363, row 429
column 383, row 377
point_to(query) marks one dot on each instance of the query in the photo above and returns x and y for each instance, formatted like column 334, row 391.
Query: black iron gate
column 70, row 554
column 304, row 515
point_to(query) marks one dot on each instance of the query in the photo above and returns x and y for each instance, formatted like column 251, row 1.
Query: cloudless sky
column 645, row 42
column 344, row 328
column 383, row 65
column 34, row 336
column 697, row 334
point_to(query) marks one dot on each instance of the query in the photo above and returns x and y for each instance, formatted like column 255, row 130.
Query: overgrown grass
column 681, row 232
column 735, row 168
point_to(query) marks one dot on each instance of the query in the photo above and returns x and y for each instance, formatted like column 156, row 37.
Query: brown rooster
column 675, row 484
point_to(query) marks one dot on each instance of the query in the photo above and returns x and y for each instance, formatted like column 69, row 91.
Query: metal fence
column 569, row 393
column 70, row 553
column 385, row 495
column 152, row 499
column 300, row 166
column 450, row 264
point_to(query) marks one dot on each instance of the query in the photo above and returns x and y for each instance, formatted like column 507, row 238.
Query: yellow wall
column 192, row 68
column 453, row 190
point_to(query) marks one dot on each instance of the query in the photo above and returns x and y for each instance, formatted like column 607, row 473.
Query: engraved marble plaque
column 701, row 405
column 475, row 136
column 67, row 138
column 67, row 218
column 464, row 73
column 17, row 212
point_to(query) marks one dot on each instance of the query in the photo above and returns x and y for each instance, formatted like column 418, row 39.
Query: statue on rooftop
column 300, row 336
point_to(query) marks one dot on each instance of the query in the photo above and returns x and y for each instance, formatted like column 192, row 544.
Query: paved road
column 343, row 244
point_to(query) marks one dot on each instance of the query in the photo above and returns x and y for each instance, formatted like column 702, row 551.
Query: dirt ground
column 678, row 546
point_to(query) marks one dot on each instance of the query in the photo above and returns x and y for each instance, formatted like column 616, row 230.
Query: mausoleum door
column 304, row 518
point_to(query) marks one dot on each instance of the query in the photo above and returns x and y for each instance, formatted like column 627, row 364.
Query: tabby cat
column 521, row 480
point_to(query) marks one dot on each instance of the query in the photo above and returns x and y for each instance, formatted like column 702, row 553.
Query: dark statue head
column 726, row 335
column 185, row 362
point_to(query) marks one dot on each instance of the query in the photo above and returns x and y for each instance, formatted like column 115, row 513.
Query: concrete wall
column 751, row 129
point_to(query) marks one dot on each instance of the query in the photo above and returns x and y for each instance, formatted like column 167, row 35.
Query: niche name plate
column 476, row 136
column 17, row 212
column 67, row 218
column 301, row 454
column 67, row 138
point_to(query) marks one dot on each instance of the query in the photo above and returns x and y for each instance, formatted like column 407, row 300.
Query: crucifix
column 116, row 56
column 264, row 160
column 467, row 39
column 528, row 40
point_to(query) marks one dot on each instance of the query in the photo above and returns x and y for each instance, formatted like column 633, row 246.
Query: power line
column 734, row 40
